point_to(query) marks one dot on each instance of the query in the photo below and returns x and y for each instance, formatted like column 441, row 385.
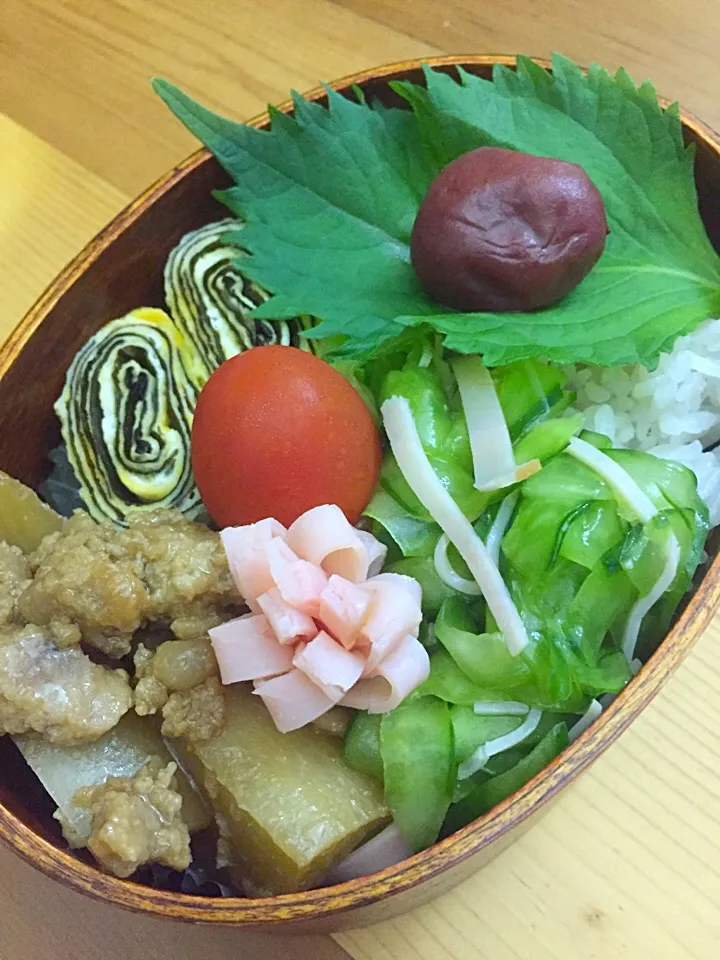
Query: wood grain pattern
column 49, row 210
column 43, row 920
column 624, row 865
column 235, row 55
column 122, row 267
column 626, row 862
column 675, row 44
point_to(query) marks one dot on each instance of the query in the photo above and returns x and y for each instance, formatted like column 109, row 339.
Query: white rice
column 673, row 412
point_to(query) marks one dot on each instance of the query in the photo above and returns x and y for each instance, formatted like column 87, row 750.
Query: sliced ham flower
column 289, row 624
column 343, row 608
column 326, row 625
column 300, row 582
column 401, row 672
column 293, row 700
column 376, row 552
column 247, row 649
column 394, row 613
column 325, row 537
column 409, row 584
column 333, row 668
column 246, row 549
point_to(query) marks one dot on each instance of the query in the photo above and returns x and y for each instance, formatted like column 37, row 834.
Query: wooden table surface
column 627, row 863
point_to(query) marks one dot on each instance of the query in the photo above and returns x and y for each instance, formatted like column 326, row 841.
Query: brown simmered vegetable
column 286, row 804
column 121, row 752
column 24, row 519
column 501, row 230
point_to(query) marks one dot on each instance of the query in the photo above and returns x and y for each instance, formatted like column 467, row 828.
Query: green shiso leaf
column 331, row 195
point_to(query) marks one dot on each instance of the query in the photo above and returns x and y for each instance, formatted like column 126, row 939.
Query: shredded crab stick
column 427, row 487
column 646, row 603
column 493, row 459
column 490, row 749
column 446, row 572
column 644, row 509
column 315, row 636
column 441, row 560
column 500, row 525
column 613, row 474
column 500, row 708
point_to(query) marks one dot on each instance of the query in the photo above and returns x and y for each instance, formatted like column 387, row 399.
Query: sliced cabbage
column 493, row 747
column 425, row 484
column 647, row 602
column 628, row 491
column 618, row 479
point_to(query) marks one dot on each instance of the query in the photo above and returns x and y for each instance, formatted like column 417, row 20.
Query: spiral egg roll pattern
column 126, row 414
column 210, row 300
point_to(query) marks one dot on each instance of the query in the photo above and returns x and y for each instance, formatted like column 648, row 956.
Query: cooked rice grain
column 673, row 412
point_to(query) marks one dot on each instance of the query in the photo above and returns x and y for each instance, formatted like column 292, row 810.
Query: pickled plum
column 501, row 230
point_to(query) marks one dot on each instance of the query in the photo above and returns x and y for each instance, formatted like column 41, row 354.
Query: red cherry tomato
column 278, row 431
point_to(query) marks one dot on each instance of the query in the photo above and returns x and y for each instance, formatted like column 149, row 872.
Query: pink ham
column 289, row 625
column 300, row 583
column 247, row 649
column 325, row 537
column 246, row 549
column 394, row 613
column 329, row 665
column 293, row 700
column 320, row 632
column 343, row 608
column 409, row 584
column 376, row 552
column 402, row 670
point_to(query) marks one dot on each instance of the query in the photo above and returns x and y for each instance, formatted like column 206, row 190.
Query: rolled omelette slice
column 287, row 805
column 126, row 414
column 210, row 300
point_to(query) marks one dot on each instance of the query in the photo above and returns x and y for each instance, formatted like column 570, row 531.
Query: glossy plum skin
column 501, row 231
column 278, row 431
